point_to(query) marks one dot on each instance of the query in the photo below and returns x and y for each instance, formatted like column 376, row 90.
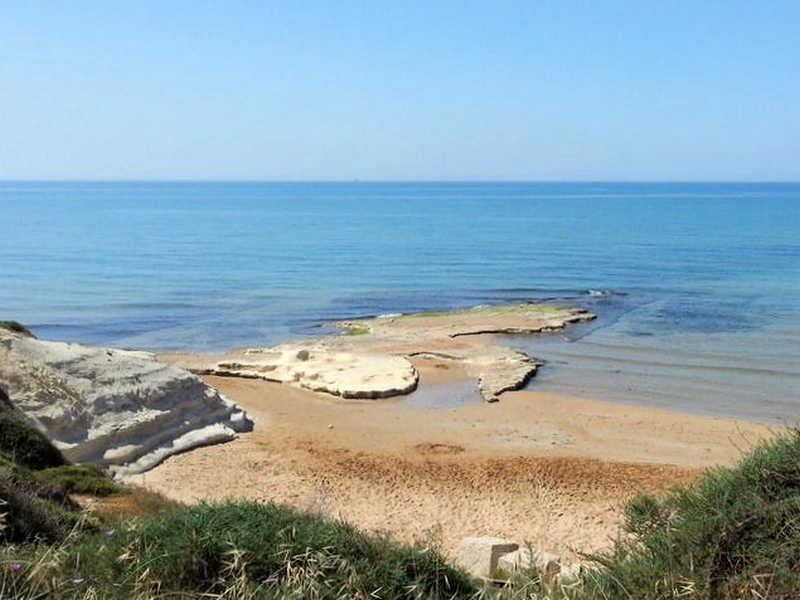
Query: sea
column 696, row 285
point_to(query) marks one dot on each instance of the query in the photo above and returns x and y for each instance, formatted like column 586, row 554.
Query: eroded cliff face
column 117, row 408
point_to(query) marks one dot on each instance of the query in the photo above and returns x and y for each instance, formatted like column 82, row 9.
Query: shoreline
column 550, row 469
column 371, row 358
column 546, row 469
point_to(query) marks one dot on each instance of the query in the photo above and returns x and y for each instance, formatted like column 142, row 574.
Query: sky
column 404, row 90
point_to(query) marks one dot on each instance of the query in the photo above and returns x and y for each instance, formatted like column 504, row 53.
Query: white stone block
column 479, row 555
column 546, row 564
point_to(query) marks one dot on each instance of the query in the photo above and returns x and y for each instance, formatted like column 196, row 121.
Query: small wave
column 603, row 293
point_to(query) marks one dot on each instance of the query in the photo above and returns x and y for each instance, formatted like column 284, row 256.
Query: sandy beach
column 543, row 469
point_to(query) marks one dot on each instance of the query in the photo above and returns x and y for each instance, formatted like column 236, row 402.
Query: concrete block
column 479, row 556
column 546, row 564
column 570, row 572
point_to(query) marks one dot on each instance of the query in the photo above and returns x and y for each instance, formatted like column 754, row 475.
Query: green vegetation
column 25, row 445
column 16, row 328
column 79, row 479
column 32, row 512
column 234, row 550
column 356, row 329
column 734, row 534
column 262, row 550
column 32, row 509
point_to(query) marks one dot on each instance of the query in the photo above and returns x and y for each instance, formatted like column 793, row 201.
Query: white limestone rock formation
column 117, row 408
column 321, row 369
column 370, row 359
column 501, row 370
column 461, row 336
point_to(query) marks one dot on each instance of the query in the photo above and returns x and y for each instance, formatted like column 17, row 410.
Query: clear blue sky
column 595, row 90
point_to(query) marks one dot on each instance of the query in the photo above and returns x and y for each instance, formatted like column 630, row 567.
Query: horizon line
column 410, row 181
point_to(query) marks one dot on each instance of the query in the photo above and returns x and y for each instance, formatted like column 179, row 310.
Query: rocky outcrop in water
column 372, row 359
column 118, row 408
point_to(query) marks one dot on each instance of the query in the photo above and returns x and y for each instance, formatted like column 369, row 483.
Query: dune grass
column 237, row 550
column 31, row 513
column 734, row 534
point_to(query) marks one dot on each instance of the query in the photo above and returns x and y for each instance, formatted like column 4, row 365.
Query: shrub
column 79, row 479
column 26, row 445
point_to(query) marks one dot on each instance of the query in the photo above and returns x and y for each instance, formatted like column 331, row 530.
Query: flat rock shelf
column 372, row 358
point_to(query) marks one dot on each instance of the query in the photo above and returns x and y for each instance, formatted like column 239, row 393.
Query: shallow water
column 754, row 375
column 445, row 394
column 697, row 285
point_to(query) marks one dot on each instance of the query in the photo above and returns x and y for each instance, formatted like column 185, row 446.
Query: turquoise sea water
column 697, row 285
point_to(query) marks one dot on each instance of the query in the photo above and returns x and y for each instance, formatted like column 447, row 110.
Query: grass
column 35, row 483
column 734, row 534
column 264, row 551
column 79, row 479
column 132, row 502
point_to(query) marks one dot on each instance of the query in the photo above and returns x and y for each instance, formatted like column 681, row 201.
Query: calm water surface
column 697, row 285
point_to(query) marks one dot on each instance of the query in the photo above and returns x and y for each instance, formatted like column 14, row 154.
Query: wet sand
column 539, row 468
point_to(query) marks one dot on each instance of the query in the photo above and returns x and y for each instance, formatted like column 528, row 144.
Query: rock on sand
column 316, row 367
